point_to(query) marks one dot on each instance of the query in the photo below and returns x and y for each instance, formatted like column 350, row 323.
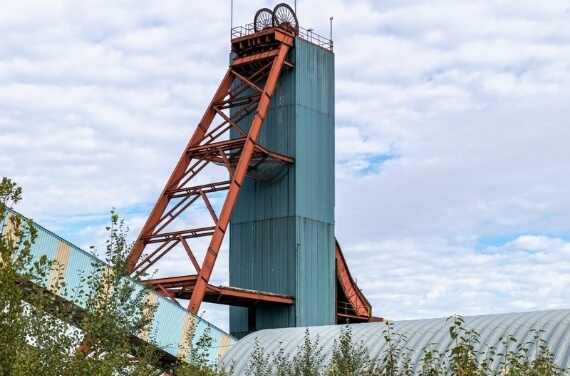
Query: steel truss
column 244, row 93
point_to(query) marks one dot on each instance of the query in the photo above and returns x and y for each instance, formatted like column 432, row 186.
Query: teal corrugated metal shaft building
column 282, row 228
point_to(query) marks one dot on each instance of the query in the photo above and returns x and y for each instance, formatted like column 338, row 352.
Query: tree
column 25, row 346
column 348, row 357
column 115, row 311
column 93, row 330
column 43, row 334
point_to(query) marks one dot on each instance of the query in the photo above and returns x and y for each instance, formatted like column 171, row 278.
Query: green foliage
column 348, row 358
column 307, row 361
column 23, row 321
column 40, row 333
column 430, row 361
column 460, row 358
column 517, row 359
column 309, row 357
column 259, row 363
column 197, row 363
column 115, row 312
column 277, row 364
column 37, row 336
column 393, row 356
column 44, row 334
column 463, row 357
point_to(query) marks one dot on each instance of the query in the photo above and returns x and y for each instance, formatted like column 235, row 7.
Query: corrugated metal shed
column 282, row 231
column 172, row 325
column 553, row 327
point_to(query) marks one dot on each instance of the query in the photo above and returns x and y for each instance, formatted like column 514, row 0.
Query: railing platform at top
column 307, row 34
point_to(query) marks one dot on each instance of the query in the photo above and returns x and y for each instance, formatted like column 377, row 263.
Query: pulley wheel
column 284, row 17
column 263, row 20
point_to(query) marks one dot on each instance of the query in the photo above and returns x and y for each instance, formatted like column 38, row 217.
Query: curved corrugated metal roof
column 419, row 334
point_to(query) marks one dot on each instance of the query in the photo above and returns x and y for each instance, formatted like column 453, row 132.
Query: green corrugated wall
column 282, row 232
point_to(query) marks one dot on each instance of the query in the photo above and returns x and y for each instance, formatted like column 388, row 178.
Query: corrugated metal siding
column 315, row 148
column 168, row 327
column 419, row 334
column 314, row 298
column 49, row 244
column 277, row 133
column 272, row 316
column 263, row 254
column 238, row 321
column 167, row 323
column 278, row 130
column 315, row 166
column 260, row 201
column 79, row 266
column 282, row 233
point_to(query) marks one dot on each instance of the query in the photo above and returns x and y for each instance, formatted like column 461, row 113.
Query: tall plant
column 43, row 334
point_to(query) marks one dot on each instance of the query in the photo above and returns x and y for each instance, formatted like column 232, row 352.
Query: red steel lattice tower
column 192, row 214
column 247, row 88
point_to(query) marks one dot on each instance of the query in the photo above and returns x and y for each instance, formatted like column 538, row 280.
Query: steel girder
column 246, row 89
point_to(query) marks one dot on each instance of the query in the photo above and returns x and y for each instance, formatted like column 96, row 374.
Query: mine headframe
column 212, row 168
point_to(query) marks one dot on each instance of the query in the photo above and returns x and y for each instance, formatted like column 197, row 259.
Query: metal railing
column 242, row 31
column 348, row 309
column 306, row 34
column 310, row 36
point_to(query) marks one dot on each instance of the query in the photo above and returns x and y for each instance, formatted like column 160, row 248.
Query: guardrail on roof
column 307, row 34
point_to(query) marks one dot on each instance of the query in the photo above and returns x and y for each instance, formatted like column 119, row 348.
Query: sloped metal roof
column 172, row 325
column 553, row 327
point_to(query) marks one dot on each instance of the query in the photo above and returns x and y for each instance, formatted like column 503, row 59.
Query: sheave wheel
column 263, row 20
column 284, row 17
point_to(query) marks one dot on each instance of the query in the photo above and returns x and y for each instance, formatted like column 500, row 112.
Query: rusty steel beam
column 189, row 253
column 247, row 89
column 181, row 288
column 239, row 176
column 356, row 299
column 169, row 282
column 199, row 189
column 248, row 59
column 178, row 172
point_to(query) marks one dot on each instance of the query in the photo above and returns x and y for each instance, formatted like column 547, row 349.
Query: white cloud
column 98, row 100
column 415, row 278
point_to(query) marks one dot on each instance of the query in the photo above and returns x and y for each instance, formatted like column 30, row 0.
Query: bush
column 37, row 338
column 461, row 358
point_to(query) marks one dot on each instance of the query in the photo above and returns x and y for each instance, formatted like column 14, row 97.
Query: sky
column 452, row 156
